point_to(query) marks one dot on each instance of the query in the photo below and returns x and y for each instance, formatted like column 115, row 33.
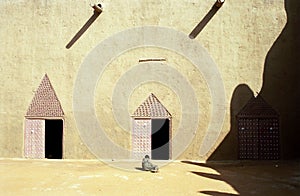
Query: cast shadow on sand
column 139, row 169
column 251, row 177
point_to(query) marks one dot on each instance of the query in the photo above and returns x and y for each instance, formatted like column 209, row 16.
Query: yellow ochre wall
column 252, row 44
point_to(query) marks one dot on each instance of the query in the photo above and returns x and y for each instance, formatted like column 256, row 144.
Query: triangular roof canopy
column 45, row 102
column 257, row 107
column 150, row 108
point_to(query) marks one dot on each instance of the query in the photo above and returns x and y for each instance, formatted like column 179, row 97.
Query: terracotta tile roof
column 45, row 102
column 151, row 107
column 257, row 107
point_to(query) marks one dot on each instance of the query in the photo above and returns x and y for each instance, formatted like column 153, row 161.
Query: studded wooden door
column 258, row 138
column 248, row 138
column 141, row 138
column 34, row 139
column 269, row 139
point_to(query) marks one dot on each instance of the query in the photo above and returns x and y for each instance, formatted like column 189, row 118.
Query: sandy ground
column 77, row 177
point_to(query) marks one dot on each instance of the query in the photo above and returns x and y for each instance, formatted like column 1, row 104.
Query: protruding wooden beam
column 97, row 8
column 97, row 12
column 206, row 19
column 219, row 3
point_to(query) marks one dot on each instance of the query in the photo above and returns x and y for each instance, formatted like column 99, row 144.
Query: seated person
column 148, row 166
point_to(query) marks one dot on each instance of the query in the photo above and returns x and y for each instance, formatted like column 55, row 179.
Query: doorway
column 160, row 144
column 53, row 139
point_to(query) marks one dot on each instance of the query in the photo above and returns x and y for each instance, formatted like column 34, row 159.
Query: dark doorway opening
column 160, row 139
column 53, row 139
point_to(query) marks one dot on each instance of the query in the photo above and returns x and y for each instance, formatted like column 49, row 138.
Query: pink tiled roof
column 257, row 107
column 45, row 102
column 151, row 107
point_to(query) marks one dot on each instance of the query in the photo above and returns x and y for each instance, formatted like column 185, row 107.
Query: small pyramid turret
column 257, row 107
column 150, row 108
column 45, row 102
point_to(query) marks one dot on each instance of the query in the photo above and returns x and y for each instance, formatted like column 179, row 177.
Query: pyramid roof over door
column 150, row 108
column 257, row 107
column 45, row 102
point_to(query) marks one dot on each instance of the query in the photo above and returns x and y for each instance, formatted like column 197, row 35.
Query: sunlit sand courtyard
column 93, row 177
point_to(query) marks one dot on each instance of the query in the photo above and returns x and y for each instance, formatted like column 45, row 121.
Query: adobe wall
column 228, row 53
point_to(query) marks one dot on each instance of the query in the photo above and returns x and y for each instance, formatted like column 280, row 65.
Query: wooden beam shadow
column 204, row 21
column 90, row 21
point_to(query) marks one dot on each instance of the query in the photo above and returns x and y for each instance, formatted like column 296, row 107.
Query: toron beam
column 219, row 3
column 97, row 8
column 206, row 19
column 97, row 12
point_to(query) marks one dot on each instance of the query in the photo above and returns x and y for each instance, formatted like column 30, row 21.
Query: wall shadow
column 281, row 84
column 281, row 89
column 228, row 149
